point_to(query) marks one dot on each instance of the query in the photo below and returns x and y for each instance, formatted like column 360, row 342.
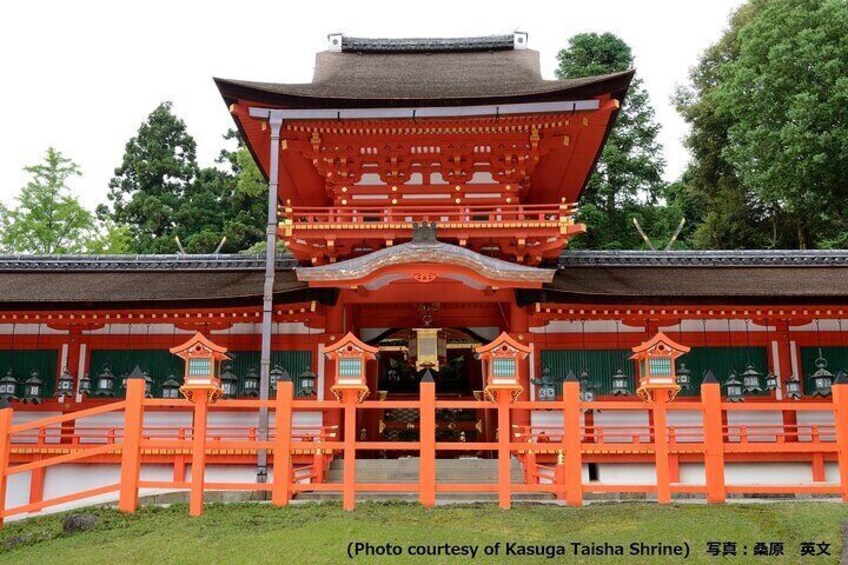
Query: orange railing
column 552, row 455
column 442, row 214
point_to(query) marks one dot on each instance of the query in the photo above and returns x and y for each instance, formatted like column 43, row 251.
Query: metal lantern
column 620, row 384
column 546, row 386
column 64, row 384
column 683, row 377
column 171, row 387
column 32, row 388
column 8, row 386
column 587, row 387
column 229, row 382
column 822, row 378
column 771, row 381
column 733, row 386
column 251, row 384
column 793, row 388
column 751, row 379
column 306, row 382
column 276, row 374
column 105, row 382
column 148, row 384
column 84, row 385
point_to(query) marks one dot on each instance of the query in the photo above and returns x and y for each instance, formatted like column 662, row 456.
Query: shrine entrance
column 405, row 356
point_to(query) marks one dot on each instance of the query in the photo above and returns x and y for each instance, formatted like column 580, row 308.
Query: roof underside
column 586, row 277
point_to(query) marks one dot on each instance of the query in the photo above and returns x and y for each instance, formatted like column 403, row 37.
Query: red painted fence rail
column 552, row 455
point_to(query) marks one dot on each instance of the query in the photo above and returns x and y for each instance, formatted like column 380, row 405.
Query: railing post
column 349, row 401
column 427, row 439
column 840, row 419
column 530, row 469
column 131, row 444
column 201, row 399
column 281, row 485
column 713, row 439
column 663, row 468
column 5, row 447
column 503, row 398
column 573, row 465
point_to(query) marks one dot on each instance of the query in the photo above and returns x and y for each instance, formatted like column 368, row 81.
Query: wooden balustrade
column 552, row 455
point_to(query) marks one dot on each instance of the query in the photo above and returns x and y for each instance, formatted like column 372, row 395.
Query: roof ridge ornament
column 425, row 232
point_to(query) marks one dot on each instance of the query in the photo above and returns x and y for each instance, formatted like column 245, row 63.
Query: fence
column 567, row 445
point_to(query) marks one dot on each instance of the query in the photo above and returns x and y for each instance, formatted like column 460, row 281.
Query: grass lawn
column 313, row 533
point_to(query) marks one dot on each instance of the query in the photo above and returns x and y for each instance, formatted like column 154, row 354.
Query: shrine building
column 424, row 191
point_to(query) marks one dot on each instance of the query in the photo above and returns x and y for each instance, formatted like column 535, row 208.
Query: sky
column 81, row 76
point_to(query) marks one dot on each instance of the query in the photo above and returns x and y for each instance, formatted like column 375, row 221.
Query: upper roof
column 418, row 71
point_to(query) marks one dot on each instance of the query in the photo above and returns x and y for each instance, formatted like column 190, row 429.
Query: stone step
column 448, row 471
column 442, row 498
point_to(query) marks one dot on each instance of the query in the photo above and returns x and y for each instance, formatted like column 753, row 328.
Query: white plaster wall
column 550, row 419
column 228, row 473
column 636, row 420
column 627, row 473
column 19, row 417
column 831, row 472
column 767, row 473
column 17, row 489
column 758, row 418
column 690, row 424
column 692, row 474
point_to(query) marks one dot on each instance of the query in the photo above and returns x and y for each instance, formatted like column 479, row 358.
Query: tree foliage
column 628, row 181
column 160, row 193
column 769, row 129
column 49, row 219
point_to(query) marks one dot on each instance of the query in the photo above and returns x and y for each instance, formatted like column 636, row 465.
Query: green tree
column 158, row 168
column 628, row 181
column 769, row 131
column 48, row 218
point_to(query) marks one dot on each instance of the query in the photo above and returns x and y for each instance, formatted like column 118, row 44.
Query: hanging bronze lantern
column 171, row 388
column 771, row 381
column 822, row 378
column 64, row 384
column 683, row 378
column 105, row 382
column 32, row 388
column 251, row 384
column 546, row 386
column 306, row 382
column 793, row 388
column 229, row 382
column 148, row 384
column 620, row 384
column 8, row 386
column 751, row 379
column 275, row 375
column 733, row 386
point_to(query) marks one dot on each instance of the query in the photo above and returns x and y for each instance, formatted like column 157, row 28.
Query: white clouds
column 82, row 75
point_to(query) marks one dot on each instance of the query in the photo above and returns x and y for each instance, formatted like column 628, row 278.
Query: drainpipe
column 276, row 122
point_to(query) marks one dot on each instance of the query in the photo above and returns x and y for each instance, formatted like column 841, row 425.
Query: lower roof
column 691, row 277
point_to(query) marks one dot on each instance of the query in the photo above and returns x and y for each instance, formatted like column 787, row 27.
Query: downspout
column 276, row 122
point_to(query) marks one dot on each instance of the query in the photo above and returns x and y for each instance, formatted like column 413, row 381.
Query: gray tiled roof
column 407, row 45
column 220, row 262
column 724, row 258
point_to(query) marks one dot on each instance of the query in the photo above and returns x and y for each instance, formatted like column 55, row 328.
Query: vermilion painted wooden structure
column 446, row 202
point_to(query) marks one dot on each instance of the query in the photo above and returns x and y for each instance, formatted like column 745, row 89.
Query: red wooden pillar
column 427, row 437
column 5, row 447
column 281, row 486
column 201, row 399
column 661, row 446
column 503, row 398
column 573, row 464
column 36, row 484
column 840, row 419
column 784, row 361
column 131, row 445
column 713, row 440
column 333, row 332
column 519, row 329
column 349, row 400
